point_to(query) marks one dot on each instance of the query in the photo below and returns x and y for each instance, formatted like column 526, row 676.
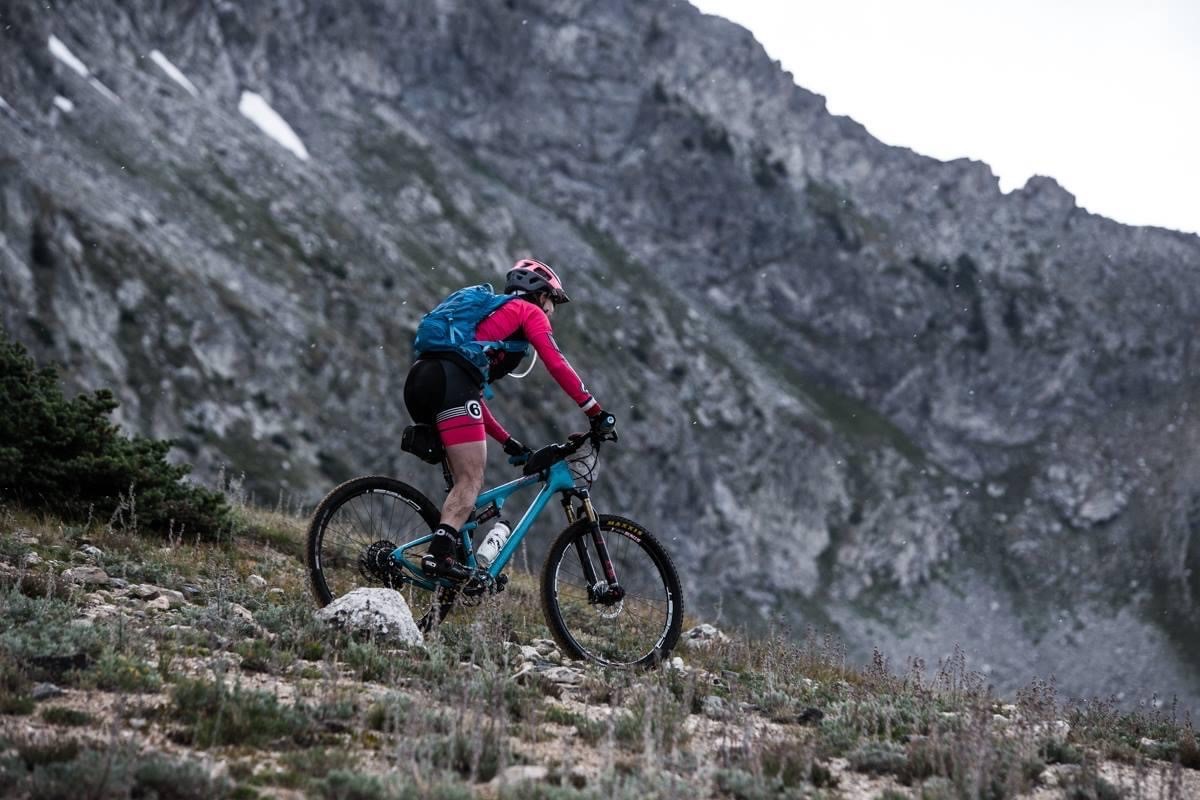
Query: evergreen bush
column 67, row 455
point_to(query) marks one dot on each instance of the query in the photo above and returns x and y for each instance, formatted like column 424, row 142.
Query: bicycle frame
column 558, row 479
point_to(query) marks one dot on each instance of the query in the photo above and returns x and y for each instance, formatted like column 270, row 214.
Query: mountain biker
column 445, row 389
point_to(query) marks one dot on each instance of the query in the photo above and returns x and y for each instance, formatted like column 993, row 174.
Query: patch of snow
column 64, row 54
column 63, row 104
column 255, row 108
column 104, row 90
column 173, row 72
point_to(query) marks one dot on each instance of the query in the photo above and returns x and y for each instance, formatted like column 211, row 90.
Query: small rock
column 92, row 552
column 677, row 663
column 94, row 598
column 176, row 599
column 25, row 537
column 86, row 576
column 530, row 654
column 257, row 581
column 809, row 716
column 704, row 635
column 578, row 777
column 714, row 707
column 190, row 590
column 544, row 646
column 31, row 560
column 243, row 613
column 380, row 611
column 44, row 691
column 275, row 592
column 143, row 591
column 118, row 583
column 568, row 676
column 137, row 723
column 1059, row 729
column 159, row 604
column 522, row 773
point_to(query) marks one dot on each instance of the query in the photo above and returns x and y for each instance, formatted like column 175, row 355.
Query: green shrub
column 543, row 791
column 164, row 778
column 475, row 753
column 1088, row 785
column 1189, row 751
column 259, row 655
column 368, row 660
column 342, row 784
column 217, row 714
column 61, row 770
column 389, row 713
column 1057, row 751
column 878, row 758
column 67, row 717
column 92, row 774
column 67, row 456
column 14, row 687
column 116, row 672
column 39, row 637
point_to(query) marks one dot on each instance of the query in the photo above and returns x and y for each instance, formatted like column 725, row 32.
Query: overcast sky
column 1102, row 95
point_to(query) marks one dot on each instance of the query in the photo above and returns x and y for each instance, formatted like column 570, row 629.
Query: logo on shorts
column 474, row 411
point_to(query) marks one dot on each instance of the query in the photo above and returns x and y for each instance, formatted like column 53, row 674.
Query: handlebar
column 546, row 457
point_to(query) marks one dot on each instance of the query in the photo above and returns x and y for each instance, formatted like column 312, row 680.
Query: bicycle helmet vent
column 534, row 276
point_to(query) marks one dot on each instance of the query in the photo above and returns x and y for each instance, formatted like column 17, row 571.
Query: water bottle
column 492, row 544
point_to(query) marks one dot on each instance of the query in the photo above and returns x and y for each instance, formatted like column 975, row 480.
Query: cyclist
column 445, row 389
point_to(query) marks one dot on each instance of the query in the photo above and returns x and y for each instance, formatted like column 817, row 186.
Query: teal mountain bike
column 609, row 590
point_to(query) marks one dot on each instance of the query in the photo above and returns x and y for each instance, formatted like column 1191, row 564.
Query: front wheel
column 637, row 626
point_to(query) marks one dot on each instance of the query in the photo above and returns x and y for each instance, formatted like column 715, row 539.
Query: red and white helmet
column 528, row 275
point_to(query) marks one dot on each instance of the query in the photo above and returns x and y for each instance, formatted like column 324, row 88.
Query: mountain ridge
column 873, row 362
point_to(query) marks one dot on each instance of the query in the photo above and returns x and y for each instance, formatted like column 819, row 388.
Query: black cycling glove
column 517, row 453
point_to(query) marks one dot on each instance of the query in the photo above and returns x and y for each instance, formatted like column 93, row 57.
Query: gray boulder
column 381, row 612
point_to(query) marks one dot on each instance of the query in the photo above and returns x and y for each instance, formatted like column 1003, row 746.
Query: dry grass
column 287, row 704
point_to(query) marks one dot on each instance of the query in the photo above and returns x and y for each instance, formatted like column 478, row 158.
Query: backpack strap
column 508, row 347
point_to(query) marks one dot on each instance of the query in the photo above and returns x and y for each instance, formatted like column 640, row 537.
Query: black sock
column 445, row 541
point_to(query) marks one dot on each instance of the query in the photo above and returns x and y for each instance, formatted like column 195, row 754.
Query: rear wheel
column 587, row 619
column 355, row 528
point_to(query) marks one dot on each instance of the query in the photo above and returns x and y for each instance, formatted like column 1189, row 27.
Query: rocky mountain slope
column 858, row 387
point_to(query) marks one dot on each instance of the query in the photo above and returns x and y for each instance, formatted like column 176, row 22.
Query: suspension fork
column 614, row 591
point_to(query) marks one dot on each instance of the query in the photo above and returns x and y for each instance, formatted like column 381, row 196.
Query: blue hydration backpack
column 451, row 326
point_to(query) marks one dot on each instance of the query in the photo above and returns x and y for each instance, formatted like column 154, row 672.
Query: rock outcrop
column 857, row 387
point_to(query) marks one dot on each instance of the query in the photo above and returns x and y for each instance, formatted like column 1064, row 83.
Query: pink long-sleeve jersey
column 530, row 322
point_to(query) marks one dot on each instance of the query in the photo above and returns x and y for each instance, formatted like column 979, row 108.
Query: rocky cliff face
column 857, row 387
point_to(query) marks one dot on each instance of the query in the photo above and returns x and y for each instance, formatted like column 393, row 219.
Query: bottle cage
column 528, row 369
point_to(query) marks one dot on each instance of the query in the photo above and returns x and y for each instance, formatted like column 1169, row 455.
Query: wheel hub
column 375, row 564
